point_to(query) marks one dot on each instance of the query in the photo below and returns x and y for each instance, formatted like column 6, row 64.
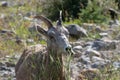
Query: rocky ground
column 7, row 65
column 97, row 50
column 92, row 56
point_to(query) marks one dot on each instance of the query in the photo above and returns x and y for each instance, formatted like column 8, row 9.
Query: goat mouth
column 70, row 51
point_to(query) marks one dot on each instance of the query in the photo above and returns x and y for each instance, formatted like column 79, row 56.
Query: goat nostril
column 68, row 48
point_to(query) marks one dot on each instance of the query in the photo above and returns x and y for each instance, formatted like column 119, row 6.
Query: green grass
column 9, row 47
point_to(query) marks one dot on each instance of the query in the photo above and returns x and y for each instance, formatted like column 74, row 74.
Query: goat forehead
column 53, row 30
column 58, row 34
column 63, row 38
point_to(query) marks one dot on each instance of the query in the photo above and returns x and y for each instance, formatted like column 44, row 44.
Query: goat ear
column 41, row 30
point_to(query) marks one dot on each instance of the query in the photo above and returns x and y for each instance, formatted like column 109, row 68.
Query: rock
column 98, row 29
column 7, row 76
column 76, row 31
column 32, row 28
column 98, row 45
column 85, row 60
column 8, row 32
column 90, row 74
column 78, row 43
column 99, row 63
column 2, row 64
column 18, row 40
column 27, row 18
column 75, row 70
column 88, row 44
column 114, row 23
column 10, row 64
column 90, row 53
column 103, row 34
column 4, row 4
column 4, row 68
column 97, row 59
column 118, row 36
column 7, row 65
column 103, row 45
column 30, row 41
column 28, row 14
column 90, row 27
column 116, row 65
column 77, row 48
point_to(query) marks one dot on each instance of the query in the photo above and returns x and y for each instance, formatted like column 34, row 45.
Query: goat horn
column 45, row 20
column 61, row 15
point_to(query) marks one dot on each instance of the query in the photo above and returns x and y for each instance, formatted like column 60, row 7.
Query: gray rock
column 98, row 65
column 91, row 27
column 90, row 53
column 75, row 70
column 98, row 29
column 30, row 14
column 78, row 43
column 90, row 74
column 103, row 45
column 7, row 67
column 118, row 36
column 85, row 60
column 4, row 4
column 77, row 48
column 30, row 41
column 9, row 32
column 32, row 28
column 116, row 65
column 114, row 23
column 103, row 34
column 76, row 31
column 4, row 68
column 97, row 59
column 98, row 62
column 2, row 64
column 88, row 44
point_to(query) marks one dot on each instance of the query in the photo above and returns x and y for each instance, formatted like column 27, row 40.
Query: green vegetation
column 74, row 11
column 92, row 13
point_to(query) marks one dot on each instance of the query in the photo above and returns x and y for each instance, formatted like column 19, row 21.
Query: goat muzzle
column 70, row 50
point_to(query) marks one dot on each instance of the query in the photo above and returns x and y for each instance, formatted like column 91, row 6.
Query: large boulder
column 76, row 31
column 103, row 45
column 4, row 3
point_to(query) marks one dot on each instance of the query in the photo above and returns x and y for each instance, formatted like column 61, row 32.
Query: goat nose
column 68, row 48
